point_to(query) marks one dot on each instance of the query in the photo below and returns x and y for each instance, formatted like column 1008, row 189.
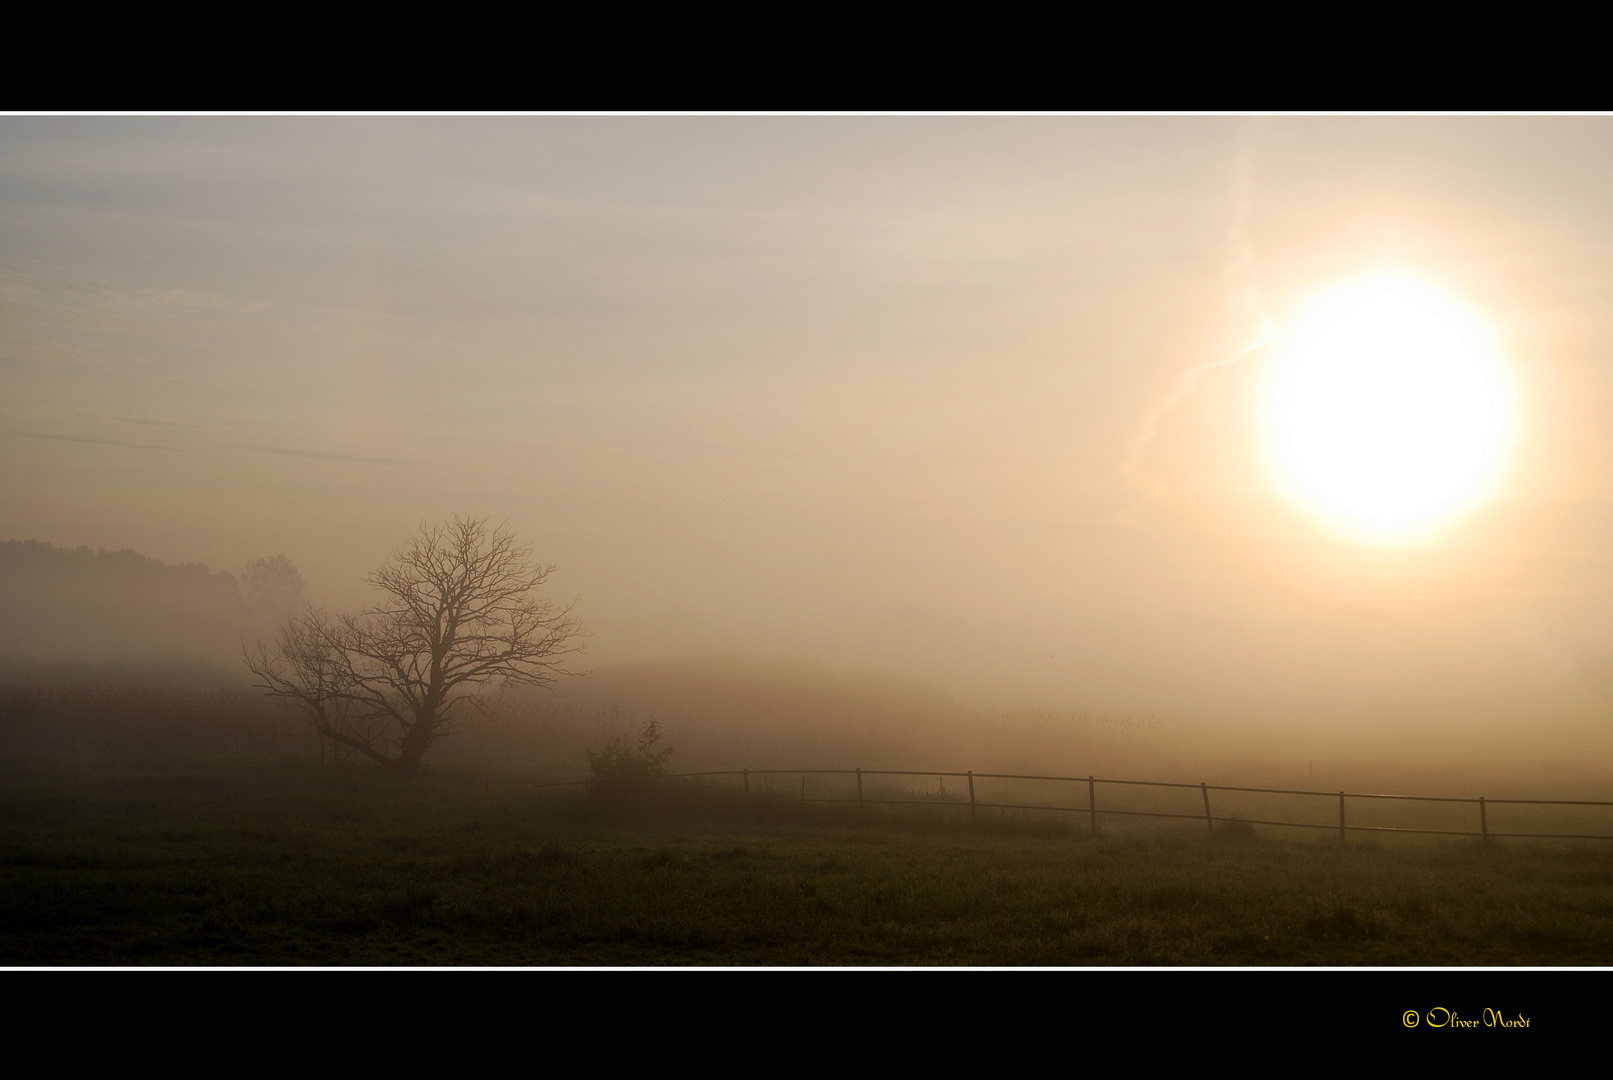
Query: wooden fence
column 1092, row 810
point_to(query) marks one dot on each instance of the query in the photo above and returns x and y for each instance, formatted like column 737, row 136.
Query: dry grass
column 264, row 862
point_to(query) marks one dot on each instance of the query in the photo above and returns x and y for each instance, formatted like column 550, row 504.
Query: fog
column 968, row 406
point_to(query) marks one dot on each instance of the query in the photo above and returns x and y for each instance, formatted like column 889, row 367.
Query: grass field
column 289, row 863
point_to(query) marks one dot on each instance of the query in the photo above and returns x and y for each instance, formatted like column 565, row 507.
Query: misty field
column 286, row 863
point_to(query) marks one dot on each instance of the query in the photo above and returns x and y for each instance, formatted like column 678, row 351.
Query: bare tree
column 459, row 614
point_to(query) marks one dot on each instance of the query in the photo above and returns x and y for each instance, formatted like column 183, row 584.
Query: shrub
column 620, row 762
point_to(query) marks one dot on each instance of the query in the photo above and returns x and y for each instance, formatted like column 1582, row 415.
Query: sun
column 1388, row 408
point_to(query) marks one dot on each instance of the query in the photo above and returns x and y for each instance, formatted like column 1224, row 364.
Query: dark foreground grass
column 290, row 863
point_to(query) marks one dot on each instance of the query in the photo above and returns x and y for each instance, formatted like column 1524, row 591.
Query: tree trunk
column 414, row 748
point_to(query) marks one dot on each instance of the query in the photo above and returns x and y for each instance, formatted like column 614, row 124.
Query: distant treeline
column 133, row 722
column 727, row 712
column 89, row 608
column 716, row 713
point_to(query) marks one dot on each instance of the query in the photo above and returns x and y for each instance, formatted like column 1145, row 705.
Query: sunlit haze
column 1291, row 436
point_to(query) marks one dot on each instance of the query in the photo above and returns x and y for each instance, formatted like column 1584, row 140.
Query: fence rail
column 1093, row 811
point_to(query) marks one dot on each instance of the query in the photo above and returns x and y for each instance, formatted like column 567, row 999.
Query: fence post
column 972, row 815
column 1209, row 822
column 859, row 789
column 747, row 780
column 1484, row 821
column 1092, row 804
column 1341, row 817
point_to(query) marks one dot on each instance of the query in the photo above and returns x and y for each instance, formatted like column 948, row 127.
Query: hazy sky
column 926, row 395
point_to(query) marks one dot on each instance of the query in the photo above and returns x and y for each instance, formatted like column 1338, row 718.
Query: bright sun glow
column 1388, row 408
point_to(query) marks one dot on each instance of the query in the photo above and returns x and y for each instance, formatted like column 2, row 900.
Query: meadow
column 260, row 860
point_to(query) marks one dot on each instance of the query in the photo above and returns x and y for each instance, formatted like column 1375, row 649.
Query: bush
column 619, row 762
